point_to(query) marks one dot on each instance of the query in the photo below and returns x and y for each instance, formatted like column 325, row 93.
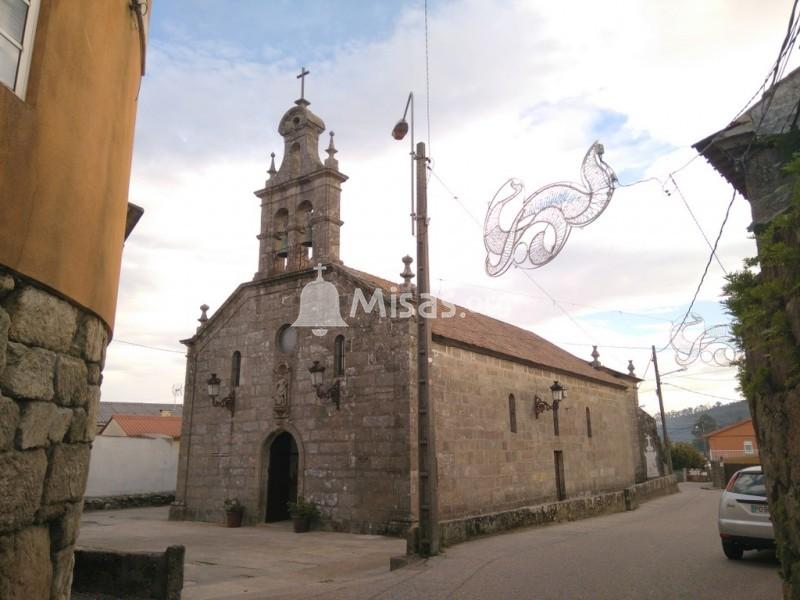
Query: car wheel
column 732, row 551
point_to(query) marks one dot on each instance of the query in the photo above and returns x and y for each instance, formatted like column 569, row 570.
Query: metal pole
column 428, row 499
column 667, row 448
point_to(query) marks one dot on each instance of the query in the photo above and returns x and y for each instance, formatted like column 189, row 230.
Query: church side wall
column 353, row 462
column 485, row 467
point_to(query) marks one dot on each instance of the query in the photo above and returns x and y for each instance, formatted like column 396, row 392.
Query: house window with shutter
column 17, row 28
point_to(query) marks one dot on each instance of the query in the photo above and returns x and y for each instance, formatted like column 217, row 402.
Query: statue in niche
column 280, row 395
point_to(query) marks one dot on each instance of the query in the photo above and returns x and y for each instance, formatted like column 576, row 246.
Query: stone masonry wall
column 51, row 358
column 485, row 467
column 353, row 462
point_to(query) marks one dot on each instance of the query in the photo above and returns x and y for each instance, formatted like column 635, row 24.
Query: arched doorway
column 281, row 476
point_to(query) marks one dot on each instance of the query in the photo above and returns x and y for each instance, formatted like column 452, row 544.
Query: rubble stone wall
column 485, row 466
column 51, row 359
column 354, row 461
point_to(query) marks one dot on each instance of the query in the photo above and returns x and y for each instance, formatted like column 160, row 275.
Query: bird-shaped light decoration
column 549, row 214
column 711, row 345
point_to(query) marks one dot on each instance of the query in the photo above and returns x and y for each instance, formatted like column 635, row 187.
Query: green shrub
column 301, row 508
column 686, row 456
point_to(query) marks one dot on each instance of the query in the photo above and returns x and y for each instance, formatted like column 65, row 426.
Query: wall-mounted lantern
column 228, row 401
column 333, row 393
column 559, row 394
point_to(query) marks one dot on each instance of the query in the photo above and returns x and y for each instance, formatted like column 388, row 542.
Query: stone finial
column 631, row 369
column 331, row 162
column 203, row 317
column 595, row 358
column 407, row 274
column 272, row 170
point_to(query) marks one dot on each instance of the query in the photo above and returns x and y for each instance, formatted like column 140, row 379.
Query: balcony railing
column 727, row 454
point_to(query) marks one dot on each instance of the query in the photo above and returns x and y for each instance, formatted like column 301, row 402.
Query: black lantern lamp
column 333, row 393
column 559, row 393
column 228, row 401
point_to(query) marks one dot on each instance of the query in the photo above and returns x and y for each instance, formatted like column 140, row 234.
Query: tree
column 705, row 423
column 686, row 456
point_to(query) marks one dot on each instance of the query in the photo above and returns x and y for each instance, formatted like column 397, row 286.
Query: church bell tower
column 300, row 200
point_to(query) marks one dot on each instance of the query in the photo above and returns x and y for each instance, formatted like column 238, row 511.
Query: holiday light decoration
column 542, row 225
column 712, row 345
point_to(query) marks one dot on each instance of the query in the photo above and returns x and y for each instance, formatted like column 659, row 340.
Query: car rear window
column 751, row 484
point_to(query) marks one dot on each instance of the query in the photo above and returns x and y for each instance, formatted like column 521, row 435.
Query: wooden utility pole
column 667, row 447
column 428, row 541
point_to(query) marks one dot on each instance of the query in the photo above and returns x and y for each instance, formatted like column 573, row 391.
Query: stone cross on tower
column 302, row 78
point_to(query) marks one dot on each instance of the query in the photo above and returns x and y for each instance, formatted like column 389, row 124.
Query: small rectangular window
column 17, row 27
column 748, row 447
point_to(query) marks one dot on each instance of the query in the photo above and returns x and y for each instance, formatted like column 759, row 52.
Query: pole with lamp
column 428, row 531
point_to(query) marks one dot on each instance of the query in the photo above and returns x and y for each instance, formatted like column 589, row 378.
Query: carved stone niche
column 281, row 395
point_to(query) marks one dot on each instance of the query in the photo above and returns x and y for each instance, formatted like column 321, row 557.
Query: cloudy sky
column 517, row 89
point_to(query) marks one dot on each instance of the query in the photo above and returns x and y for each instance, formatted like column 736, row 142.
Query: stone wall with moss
column 765, row 302
column 51, row 358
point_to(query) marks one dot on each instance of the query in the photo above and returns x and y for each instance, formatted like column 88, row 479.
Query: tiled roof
column 728, row 427
column 109, row 409
column 498, row 337
column 143, row 425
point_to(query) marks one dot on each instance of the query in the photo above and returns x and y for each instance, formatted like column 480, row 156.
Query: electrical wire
column 149, row 347
column 701, row 393
column 696, row 222
column 427, row 82
column 703, row 276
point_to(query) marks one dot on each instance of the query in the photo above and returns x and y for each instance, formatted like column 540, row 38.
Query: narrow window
column 588, row 422
column 236, row 368
column 338, row 356
column 17, row 27
column 512, row 413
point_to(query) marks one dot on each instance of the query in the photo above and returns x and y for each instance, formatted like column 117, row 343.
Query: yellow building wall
column 65, row 152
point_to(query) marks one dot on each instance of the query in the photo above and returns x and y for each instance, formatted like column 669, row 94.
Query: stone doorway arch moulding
column 263, row 460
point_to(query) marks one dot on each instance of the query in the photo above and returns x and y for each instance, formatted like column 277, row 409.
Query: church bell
column 308, row 241
column 282, row 245
column 319, row 306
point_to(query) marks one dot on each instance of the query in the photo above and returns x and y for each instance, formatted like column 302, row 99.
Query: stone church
column 273, row 411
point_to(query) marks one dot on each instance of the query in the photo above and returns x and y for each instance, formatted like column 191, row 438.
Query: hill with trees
column 681, row 424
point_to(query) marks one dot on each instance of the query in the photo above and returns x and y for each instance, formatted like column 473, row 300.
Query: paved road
column 668, row 548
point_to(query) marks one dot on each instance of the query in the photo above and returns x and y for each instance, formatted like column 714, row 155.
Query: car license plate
column 759, row 509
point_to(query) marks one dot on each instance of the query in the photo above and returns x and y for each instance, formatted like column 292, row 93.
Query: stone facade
column 486, row 465
column 51, row 356
column 349, row 443
column 353, row 461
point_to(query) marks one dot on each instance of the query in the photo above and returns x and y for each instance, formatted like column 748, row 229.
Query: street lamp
column 428, row 538
column 228, row 401
column 558, row 392
column 333, row 393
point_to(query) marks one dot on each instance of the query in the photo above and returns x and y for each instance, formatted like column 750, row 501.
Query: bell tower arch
column 300, row 200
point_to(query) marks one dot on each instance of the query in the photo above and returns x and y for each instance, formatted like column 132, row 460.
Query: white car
column 744, row 522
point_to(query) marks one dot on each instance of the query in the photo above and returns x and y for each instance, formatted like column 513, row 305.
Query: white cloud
column 517, row 89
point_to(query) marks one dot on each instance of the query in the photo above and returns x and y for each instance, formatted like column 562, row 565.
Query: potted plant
column 303, row 513
column 233, row 512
